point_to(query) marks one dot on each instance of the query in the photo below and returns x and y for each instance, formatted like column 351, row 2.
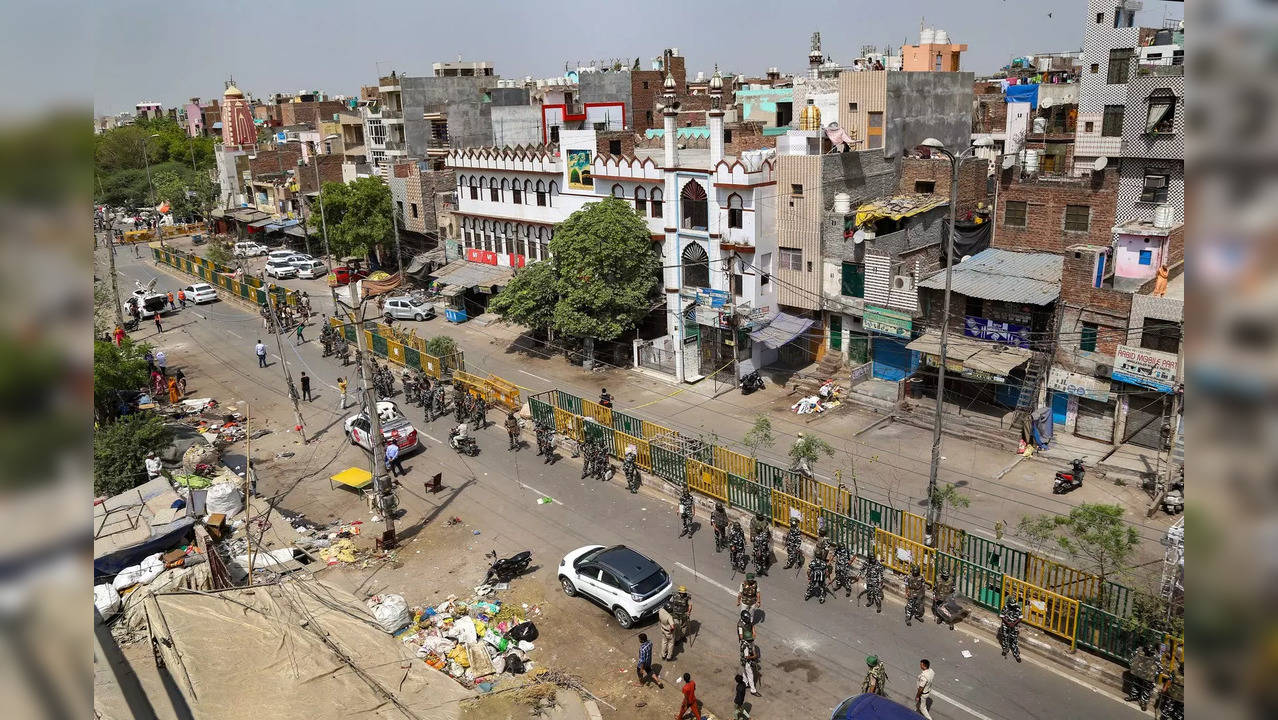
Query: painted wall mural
column 579, row 177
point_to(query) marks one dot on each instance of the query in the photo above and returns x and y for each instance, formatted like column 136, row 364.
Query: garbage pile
column 827, row 397
column 474, row 641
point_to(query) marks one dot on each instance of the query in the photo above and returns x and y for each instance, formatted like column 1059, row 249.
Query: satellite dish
column 1100, row 163
column 1009, row 161
column 1046, row 102
column 965, row 258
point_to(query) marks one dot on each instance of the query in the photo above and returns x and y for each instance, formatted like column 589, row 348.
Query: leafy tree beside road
column 358, row 215
column 599, row 284
column 120, row 448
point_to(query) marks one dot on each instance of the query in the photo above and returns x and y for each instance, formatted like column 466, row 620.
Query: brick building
column 1053, row 213
column 646, row 87
column 933, row 175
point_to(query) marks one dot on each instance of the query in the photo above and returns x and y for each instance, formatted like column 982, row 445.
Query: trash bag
column 390, row 611
column 224, row 498
column 106, row 600
column 523, row 631
column 514, row 664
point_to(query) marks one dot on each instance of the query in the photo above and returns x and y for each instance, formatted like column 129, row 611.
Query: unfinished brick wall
column 745, row 135
column 1108, row 309
column 1046, row 201
column 271, row 162
column 330, row 170
column 972, row 180
column 646, row 89
column 989, row 112
column 604, row 142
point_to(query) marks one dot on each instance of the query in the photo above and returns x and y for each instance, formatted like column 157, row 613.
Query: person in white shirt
column 153, row 466
column 260, row 349
column 923, row 695
column 162, row 362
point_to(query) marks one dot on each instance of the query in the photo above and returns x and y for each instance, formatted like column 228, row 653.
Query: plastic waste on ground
column 390, row 611
column 106, row 599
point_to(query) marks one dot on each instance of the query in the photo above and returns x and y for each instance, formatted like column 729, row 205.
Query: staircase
column 807, row 384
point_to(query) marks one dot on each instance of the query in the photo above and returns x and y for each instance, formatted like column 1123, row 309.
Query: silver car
column 404, row 307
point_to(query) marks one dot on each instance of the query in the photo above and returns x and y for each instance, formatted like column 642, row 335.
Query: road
column 813, row 655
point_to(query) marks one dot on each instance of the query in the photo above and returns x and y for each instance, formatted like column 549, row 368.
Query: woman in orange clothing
column 173, row 391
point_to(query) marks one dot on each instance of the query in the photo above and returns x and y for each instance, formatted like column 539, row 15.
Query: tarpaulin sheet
column 277, row 651
column 970, row 239
column 898, row 206
column 1022, row 93
column 781, row 330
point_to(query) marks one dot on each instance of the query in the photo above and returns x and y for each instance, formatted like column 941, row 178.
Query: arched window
column 734, row 211
column 505, row 187
column 696, row 267
column 692, row 206
column 474, row 189
column 554, row 190
column 528, row 190
column 617, row 192
column 641, row 201
column 516, row 193
column 656, row 202
column 541, row 194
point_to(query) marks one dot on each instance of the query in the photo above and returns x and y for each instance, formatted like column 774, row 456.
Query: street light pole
column 933, row 509
column 376, row 441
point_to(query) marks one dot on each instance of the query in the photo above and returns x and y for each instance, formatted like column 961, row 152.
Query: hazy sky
column 173, row 50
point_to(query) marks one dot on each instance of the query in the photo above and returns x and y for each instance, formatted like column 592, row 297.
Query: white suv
column 625, row 582
column 280, row 269
column 248, row 249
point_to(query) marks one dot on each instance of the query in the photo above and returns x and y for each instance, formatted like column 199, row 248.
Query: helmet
column 747, row 617
column 872, row 660
column 914, row 568
column 749, row 576
column 718, row 506
column 758, row 516
column 736, row 525
column 798, row 435
column 683, row 588
column 945, row 574
column 794, row 522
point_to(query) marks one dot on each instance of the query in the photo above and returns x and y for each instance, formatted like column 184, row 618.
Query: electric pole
column 377, row 443
column 399, row 256
column 115, row 289
column 1173, row 421
column 288, row 376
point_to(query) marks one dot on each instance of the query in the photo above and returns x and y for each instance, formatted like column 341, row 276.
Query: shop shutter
column 1095, row 420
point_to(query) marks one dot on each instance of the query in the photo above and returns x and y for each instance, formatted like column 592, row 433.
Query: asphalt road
column 813, row 655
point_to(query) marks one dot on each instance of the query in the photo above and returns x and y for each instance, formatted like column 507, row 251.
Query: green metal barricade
column 772, row 476
column 626, row 424
column 878, row 515
column 541, row 410
column 1110, row 636
column 412, row 358
column 379, row 344
column 750, row 496
column 981, row 585
column 596, row 432
column 668, row 464
column 858, row 536
column 567, row 402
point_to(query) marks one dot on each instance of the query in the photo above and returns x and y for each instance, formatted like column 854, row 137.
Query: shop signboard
column 712, row 298
column 999, row 332
column 1073, row 383
column 962, row 370
column 888, row 322
column 1152, row 369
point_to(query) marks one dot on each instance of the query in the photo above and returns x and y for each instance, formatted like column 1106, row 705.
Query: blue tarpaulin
column 1023, row 93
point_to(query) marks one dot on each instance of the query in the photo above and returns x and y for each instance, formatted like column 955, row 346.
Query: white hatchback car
column 311, row 268
column 200, row 293
column 622, row 580
column 406, row 307
column 280, row 269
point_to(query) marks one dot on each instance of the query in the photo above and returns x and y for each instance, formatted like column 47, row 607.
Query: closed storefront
column 1095, row 420
column 1090, row 408
column 889, row 332
column 1146, row 412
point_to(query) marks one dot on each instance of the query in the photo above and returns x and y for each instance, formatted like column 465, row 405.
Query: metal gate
column 1145, row 420
column 655, row 358
column 1095, row 420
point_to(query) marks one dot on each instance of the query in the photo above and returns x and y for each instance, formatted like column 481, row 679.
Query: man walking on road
column 300, row 327
column 306, row 386
column 260, row 349
column 643, row 667
column 689, row 691
column 392, row 459
column 341, row 389
column 923, row 695
column 158, row 327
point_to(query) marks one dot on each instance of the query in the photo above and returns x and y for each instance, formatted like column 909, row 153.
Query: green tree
column 760, row 435
column 358, row 215
column 218, row 253
column 189, row 194
column 946, row 497
column 603, row 278
column 1036, row 531
column 807, row 449
column 1094, row 534
column 529, row 298
column 116, row 369
column 120, row 448
column 441, row 346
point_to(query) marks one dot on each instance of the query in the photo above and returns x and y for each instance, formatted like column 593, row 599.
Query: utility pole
column 1177, row 391
column 248, row 488
column 399, row 256
column 381, row 483
column 115, row 289
column 288, row 376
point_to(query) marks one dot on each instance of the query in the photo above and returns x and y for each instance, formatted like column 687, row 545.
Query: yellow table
column 355, row 478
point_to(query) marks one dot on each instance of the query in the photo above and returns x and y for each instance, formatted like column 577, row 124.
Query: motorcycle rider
column 793, row 545
column 685, row 512
column 719, row 523
column 1009, row 630
column 872, row 571
column 459, row 436
column 843, row 576
column 761, row 547
column 942, row 592
column 816, row 580
column 915, row 587
column 512, row 430
column 604, row 398
column 736, row 547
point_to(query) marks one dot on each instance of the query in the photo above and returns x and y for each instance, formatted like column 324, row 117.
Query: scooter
column 1066, row 481
column 506, row 569
column 1174, row 500
column 464, row 444
column 751, row 382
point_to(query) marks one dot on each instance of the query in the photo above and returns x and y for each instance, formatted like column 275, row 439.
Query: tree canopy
column 1094, row 534
column 116, row 369
column 600, row 282
column 189, row 194
column 358, row 215
column 120, row 166
column 120, row 448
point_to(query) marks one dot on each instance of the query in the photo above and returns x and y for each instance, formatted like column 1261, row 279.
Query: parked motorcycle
column 1067, row 481
column 1174, row 500
column 751, row 382
column 506, row 569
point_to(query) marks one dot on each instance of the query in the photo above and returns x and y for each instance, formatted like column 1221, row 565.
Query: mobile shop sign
column 887, row 322
column 1153, row 369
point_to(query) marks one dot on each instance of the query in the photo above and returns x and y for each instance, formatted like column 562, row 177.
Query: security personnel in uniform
column 915, row 587
column 1009, row 630
column 681, row 611
column 816, row 580
column 872, row 571
column 719, row 522
column 748, row 595
column 793, row 546
column 843, row 576
column 685, row 512
column 758, row 524
column 762, row 551
column 942, row 592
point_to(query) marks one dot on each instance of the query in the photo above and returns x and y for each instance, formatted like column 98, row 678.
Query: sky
column 168, row 52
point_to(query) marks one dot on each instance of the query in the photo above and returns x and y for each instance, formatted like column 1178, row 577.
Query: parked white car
column 405, row 307
column 280, row 255
column 200, row 293
column 311, row 269
column 395, row 428
column 280, row 269
column 622, row 580
column 248, row 249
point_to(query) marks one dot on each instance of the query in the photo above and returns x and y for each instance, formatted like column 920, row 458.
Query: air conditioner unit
column 903, row 282
column 1104, row 371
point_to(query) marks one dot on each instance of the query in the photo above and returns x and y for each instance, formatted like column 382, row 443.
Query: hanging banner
column 1077, row 384
column 888, row 322
column 999, row 332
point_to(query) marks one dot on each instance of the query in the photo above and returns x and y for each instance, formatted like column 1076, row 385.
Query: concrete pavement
column 813, row 655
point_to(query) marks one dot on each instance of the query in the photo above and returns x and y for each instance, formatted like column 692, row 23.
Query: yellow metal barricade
column 430, row 365
column 1062, row 579
column 809, row 514
column 707, row 479
column 1044, row 609
column 394, row 352
column 912, row 526
column 644, row 452
column 599, row 413
column 834, row 498
column 472, row 383
column 652, row 429
column 734, row 462
column 504, row 392
column 1176, row 648
column 950, row 539
column 899, row 553
column 568, row 425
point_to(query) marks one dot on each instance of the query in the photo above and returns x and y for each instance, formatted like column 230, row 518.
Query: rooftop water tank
column 1164, row 216
column 942, row 37
column 810, row 117
column 927, row 36
column 842, row 203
